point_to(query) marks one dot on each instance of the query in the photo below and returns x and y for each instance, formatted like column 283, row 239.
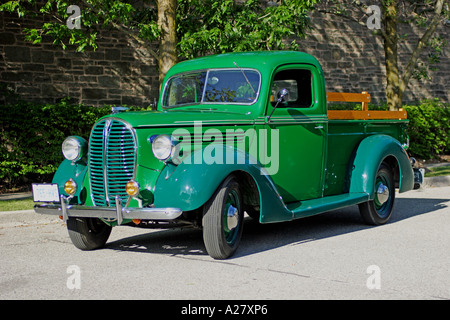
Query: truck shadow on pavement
column 258, row 238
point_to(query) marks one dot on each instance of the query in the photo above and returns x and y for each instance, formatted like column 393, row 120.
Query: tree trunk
column 168, row 40
column 423, row 42
column 393, row 94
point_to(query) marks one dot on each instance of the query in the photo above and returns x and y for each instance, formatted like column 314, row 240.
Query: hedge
column 31, row 136
column 429, row 124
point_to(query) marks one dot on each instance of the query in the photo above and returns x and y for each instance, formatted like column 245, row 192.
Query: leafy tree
column 182, row 28
column 427, row 14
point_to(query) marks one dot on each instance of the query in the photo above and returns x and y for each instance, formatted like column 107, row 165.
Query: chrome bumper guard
column 120, row 213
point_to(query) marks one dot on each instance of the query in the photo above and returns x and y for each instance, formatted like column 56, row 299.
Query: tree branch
column 127, row 31
column 420, row 45
column 143, row 43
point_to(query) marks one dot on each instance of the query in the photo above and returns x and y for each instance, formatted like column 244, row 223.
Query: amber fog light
column 70, row 187
column 132, row 188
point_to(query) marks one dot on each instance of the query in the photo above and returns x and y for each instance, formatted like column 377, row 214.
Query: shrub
column 31, row 137
column 429, row 129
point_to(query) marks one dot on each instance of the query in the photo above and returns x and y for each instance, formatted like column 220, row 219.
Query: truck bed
column 347, row 128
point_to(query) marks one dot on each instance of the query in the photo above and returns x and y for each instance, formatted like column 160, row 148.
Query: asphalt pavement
column 329, row 256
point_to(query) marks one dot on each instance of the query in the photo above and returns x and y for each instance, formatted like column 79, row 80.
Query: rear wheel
column 223, row 220
column 88, row 233
column 379, row 210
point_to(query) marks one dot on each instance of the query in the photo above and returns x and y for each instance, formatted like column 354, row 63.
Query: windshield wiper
column 242, row 70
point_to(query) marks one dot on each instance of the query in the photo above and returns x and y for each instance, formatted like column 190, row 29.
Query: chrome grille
column 112, row 160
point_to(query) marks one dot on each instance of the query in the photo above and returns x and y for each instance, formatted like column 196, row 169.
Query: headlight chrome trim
column 163, row 146
column 74, row 148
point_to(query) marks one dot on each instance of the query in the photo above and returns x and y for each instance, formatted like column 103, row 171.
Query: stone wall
column 353, row 58
column 120, row 72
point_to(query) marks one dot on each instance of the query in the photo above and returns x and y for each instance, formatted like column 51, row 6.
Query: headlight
column 74, row 148
column 163, row 147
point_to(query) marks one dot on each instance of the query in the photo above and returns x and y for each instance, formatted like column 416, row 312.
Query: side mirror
column 281, row 96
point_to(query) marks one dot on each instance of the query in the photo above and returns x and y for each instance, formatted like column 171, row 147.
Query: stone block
column 7, row 38
column 112, row 54
column 109, row 81
column 93, row 70
column 54, row 90
column 42, row 56
column 64, row 63
column 16, row 76
column 17, row 54
column 93, row 94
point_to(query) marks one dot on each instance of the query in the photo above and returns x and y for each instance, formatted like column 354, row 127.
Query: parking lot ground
column 329, row 256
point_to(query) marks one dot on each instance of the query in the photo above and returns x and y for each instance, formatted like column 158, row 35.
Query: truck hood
column 183, row 118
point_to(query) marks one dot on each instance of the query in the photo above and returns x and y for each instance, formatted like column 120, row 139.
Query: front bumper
column 120, row 213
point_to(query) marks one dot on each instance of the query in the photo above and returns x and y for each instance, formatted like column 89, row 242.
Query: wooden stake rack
column 365, row 113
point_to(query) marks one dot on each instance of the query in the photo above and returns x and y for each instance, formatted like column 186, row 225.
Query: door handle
column 319, row 127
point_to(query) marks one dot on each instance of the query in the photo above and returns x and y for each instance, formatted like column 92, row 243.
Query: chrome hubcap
column 232, row 217
column 382, row 194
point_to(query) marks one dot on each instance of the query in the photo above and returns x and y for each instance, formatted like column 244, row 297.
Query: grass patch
column 438, row 171
column 16, row 205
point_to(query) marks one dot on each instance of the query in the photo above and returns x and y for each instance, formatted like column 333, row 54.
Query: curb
column 16, row 196
column 433, row 182
column 17, row 211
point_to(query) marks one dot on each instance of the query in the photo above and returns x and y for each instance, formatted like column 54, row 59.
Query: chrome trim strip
column 105, row 166
column 206, row 123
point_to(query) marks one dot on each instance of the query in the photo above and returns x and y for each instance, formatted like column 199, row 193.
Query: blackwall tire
column 379, row 210
column 223, row 220
column 88, row 233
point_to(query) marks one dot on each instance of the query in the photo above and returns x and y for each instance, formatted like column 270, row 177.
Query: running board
column 315, row 206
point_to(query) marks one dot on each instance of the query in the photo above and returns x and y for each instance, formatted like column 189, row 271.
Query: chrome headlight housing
column 74, row 148
column 163, row 146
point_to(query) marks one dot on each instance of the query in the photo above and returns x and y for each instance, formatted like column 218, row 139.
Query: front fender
column 369, row 155
column 190, row 185
column 70, row 170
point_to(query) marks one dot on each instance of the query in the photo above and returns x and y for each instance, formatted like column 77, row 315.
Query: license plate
column 45, row 192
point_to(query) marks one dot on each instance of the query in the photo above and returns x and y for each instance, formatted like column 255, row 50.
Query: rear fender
column 369, row 155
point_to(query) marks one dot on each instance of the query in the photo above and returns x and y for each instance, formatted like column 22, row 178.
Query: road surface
column 330, row 256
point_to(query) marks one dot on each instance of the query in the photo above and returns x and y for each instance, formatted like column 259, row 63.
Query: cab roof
column 264, row 61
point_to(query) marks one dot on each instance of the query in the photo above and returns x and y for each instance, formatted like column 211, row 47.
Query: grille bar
column 112, row 161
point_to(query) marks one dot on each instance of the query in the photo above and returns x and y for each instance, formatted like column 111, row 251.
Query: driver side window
column 298, row 83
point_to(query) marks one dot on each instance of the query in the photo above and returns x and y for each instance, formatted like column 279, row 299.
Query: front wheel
column 379, row 210
column 88, row 233
column 223, row 220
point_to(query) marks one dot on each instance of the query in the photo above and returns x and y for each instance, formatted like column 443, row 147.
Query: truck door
column 301, row 121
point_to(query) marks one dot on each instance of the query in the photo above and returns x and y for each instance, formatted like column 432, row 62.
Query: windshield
column 238, row 86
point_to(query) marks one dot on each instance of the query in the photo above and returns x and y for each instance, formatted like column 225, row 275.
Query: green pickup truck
column 232, row 134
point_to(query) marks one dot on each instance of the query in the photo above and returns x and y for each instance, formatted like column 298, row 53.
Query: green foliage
column 31, row 137
column 429, row 128
column 206, row 27
column 95, row 15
